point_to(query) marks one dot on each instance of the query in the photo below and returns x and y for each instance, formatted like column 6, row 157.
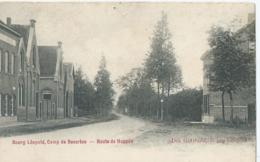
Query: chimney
column 59, row 44
column 32, row 22
column 8, row 21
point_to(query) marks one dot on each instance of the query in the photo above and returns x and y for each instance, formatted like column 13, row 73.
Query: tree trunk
column 162, row 106
column 136, row 109
column 167, row 100
column 223, row 105
column 158, row 89
column 231, row 106
column 151, row 112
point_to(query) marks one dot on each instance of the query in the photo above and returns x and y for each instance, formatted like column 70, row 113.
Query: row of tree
column 94, row 98
column 150, row 91
column 140, row 99
column 146, row 90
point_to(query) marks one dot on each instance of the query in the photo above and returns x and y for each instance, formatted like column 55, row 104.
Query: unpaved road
column 144, row 142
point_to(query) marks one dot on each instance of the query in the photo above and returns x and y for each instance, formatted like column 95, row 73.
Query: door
column 67, row 104
column 47, row 106
column 38, row 111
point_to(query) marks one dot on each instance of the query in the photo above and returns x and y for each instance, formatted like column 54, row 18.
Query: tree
column 161, row 64
column 231, row 66
column 84, row 93
column 138, row 94
column 104, row 91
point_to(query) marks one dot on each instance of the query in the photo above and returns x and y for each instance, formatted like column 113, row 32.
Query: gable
column 48, row 59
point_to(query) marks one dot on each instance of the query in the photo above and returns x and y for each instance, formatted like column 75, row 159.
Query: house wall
column 21, row 89
column 57, row 96
column 28, row 111
column 241, row 99
column 8, row 80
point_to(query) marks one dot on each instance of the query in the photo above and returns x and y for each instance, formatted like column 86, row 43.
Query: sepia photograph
column 127, row 82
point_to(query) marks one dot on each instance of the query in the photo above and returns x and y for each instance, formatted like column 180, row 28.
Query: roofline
column 46, row 77
column 10, row 29
column 47, row 46
column 245, row 27
column 68, row 63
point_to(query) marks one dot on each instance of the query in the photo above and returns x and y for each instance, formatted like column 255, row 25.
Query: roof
column 249, row 29
column 48, row 59
column 8, row 28
column 23, row 30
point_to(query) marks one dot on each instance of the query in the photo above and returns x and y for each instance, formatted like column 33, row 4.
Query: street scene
column 151, row 142
column 128, row 82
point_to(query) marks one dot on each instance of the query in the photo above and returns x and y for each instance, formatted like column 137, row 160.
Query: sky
column 122, row 31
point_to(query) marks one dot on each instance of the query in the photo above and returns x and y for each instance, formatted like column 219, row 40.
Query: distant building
column 52, row 82
column 244, row 101
column 69, row 90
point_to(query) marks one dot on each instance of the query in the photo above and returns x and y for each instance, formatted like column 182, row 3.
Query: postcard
column 127, row 82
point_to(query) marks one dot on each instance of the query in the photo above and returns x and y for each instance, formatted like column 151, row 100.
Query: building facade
column 29, row 70
column 34, row 82
column 244, row 100
column 10, row 46
column 52, row 87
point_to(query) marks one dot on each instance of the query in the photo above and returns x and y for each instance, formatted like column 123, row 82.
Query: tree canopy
column 104, row 91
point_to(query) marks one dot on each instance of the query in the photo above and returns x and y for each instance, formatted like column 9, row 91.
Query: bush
column 186, row 104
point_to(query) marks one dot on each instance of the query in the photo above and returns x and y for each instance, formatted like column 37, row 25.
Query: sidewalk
column 12, row 128
column 12, row 124
column 11, row 121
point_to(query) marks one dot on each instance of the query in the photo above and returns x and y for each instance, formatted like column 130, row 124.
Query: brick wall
column 51, row 86
column 241, row 98
column 9, row 79
column 21, row 111
column 240, row 112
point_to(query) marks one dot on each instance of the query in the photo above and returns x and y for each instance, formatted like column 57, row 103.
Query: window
column 38, row 111
column 12, row 63
column 19, row 95
column 12, row 105
column 6, row 62
column 33, row 93
column 0, row 105
column 206, row 104
column 53, row 110
column 6, row 105
column 23, row 95
column 31, row 90
column 46, row 96
column 21, row 61
column 0, row 60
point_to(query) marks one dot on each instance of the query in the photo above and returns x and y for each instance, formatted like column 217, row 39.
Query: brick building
column 34, row 82
column 52, row 82
column 29, row 73
column 212, row 109
column 10, row 48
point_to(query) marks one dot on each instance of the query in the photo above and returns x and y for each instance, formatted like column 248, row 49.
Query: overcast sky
column 121, row 32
